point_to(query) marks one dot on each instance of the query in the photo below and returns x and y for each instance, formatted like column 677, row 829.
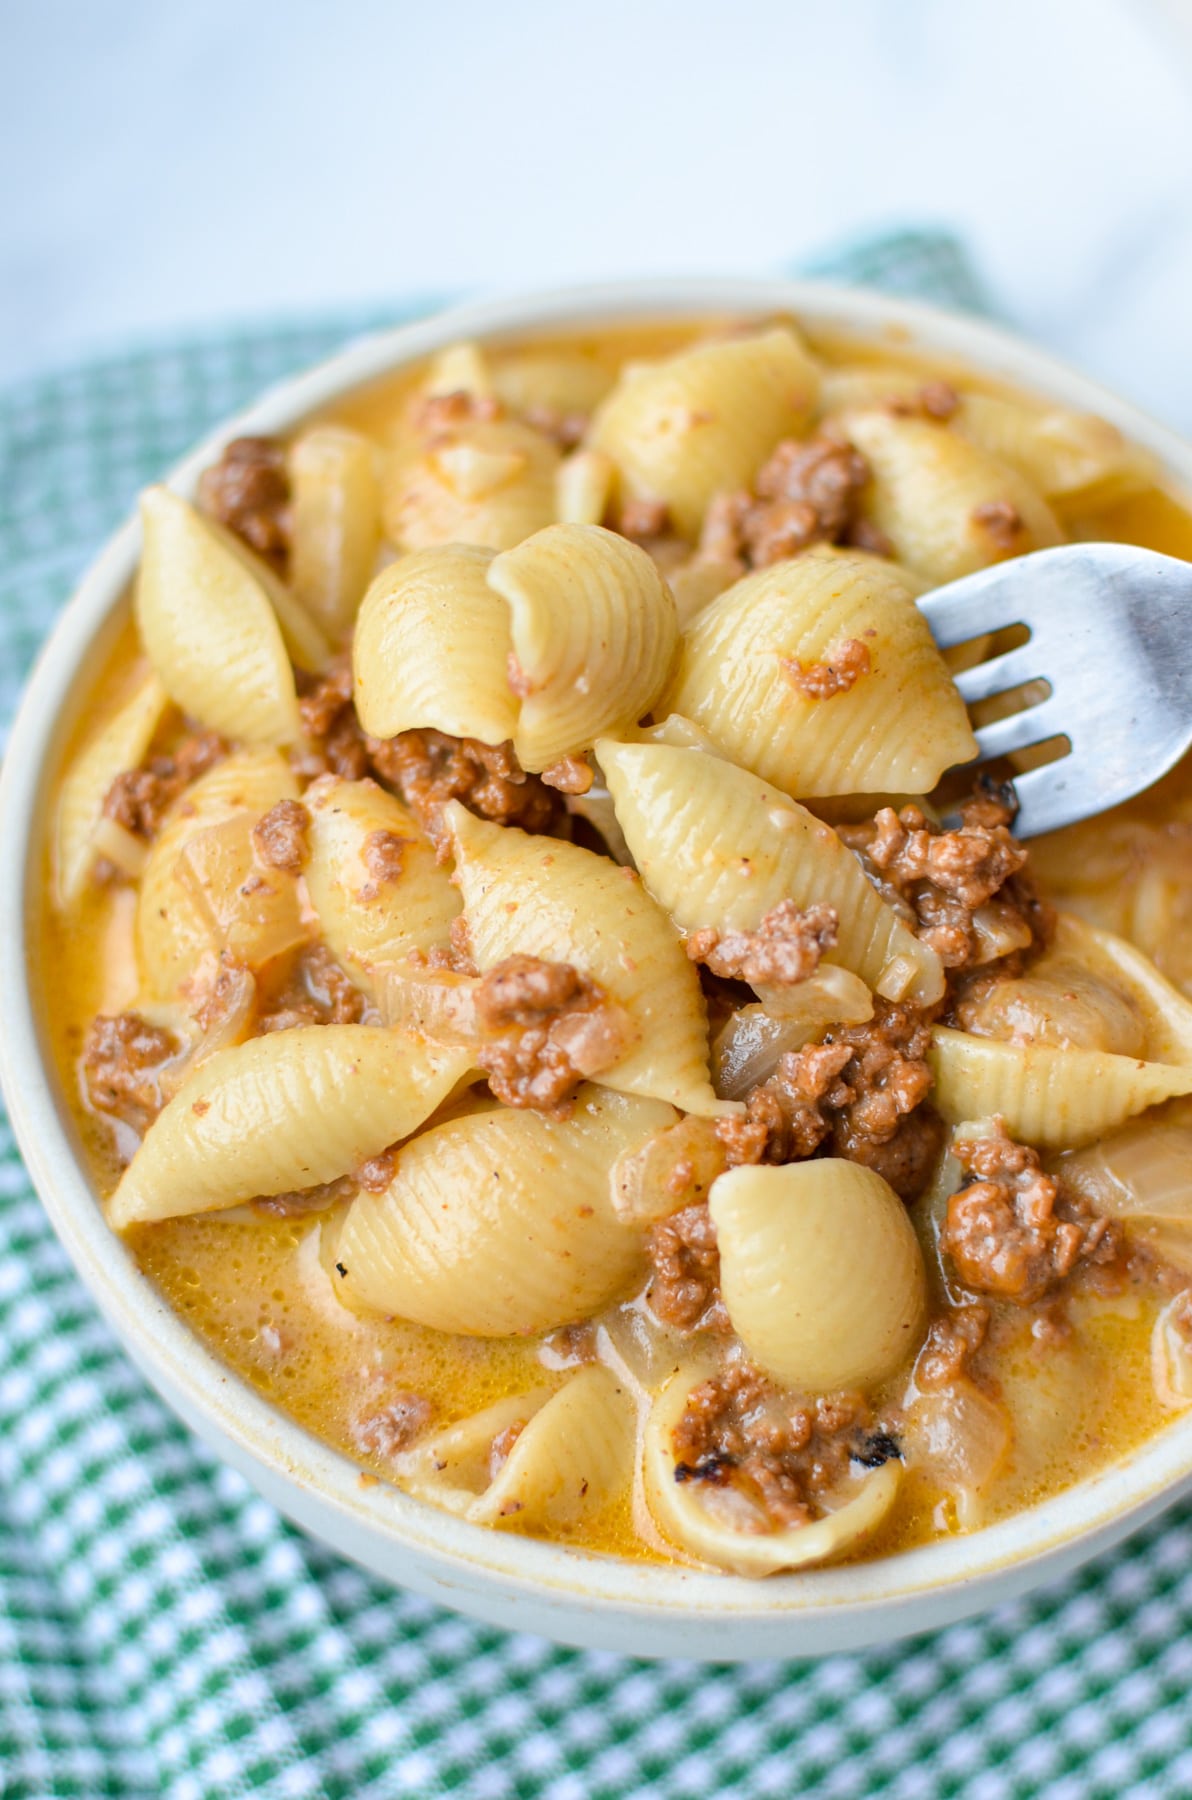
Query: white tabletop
column 171, row 166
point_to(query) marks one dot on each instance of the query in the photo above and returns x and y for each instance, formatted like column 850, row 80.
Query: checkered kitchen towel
column 165, row 1636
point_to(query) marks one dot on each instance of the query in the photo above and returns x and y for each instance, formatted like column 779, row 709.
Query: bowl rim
column 455, row 1556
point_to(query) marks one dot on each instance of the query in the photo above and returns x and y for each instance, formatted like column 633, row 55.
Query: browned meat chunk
column 393, row 1427
column 544, row 1027
column 316, row 992
column 139, row 799
column 1011, row 1231
column 570, row 775
column 785, row 949
column 780, row 1453
column 383, row 854
column 1001, row 522
column 248, row 490
column 122, row 1063
column 334, row 741
column 441, row 416
column 429, row 768
column 963, row 890
column 807, row 493
column 951, row 1343
column 847, row 663
column 684, row 1289
column 279, row 839
column 863, row 1088
column 566, row 429
column 643, row 520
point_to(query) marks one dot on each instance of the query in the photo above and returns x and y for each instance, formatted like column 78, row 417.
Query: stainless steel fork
column 1111, row 635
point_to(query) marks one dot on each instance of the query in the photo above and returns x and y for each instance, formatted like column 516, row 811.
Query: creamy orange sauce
column 257, row 1294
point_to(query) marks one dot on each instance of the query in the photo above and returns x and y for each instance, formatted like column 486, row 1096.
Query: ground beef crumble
column 1012, row 1231
column 279, row 838
column 684, row 1289
column 785, row 949
column 121, row 1065
column 941, row 880
column 544, row 1027
column 429, row 768
column 140, row 798
column 1002, row 523
column 440, row 416
column 782, row 1453
column 316, row 991
column 859, row 1094
column 393, row 1427
column 950, row 1345
column 846, row 664
column 806, row 493
column 248, row 490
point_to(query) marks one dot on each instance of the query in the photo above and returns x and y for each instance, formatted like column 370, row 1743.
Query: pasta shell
column 820, row 1270
column 717, row 846
column 1047, row 1096
column 120, row 743
column 492, row 483
column 594, row 634
column 501, row 1223
column 947, row 507
column 571, row 1459
column 895, row 730
column 174, row 927
column 538, row 896
column 683, row 429
column 583, row 487
column 335, row 522
column 282, row 1112
column 1171, row 1354
column 369, row 918
column 562, row 382
column 453, row 1468
column 432, row 647
column 685, row 1513
column 1078, row 462
column 209, row 629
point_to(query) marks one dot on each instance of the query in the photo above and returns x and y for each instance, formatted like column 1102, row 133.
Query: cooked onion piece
column 1141, row 1175
column 820, row 1270
column 537, row 896
column 1171, row 1353
column 594, row 634
column 958, row 1438
column 280, row 1113
column 682, row 429
column 501, row 1223
column 821, row 675
column 734, row 1537
column 717, row 846
column 746, row 1050
column 674, row 1168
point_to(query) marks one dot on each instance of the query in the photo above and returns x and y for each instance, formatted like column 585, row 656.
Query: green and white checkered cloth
column 164, row 1635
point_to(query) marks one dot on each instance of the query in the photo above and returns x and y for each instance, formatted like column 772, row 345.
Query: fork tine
column 1045, row 798
column 994, row 677
column 1020, row 730
column 972, row 606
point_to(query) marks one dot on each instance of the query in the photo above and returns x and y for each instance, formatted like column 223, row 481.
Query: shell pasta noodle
column 543, row 999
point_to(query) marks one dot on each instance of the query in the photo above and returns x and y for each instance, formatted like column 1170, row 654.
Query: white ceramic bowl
column 643, row 1610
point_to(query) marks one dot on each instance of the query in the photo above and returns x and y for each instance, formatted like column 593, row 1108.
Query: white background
column 167, row 165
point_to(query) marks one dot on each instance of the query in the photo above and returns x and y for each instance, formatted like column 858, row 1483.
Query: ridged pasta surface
column 748, row 659
column 540, row 897
column 683, row 429
column 946, row 505
column 335, row 522
column 372, row 877
column 501, row 1223
column 282, row 1112
column 594, row 634
column 717, row 846
column 209, row 629
column 1057, row 1098
column 432, row 648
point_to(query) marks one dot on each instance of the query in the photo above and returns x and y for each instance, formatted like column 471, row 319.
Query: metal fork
column 1111, row 635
